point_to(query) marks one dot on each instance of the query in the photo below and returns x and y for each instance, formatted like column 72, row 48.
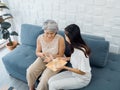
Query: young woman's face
column 67, row 39
column 49, row 34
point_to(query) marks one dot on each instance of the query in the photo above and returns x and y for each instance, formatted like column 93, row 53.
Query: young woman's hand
column 65, row 58
column 60, row 68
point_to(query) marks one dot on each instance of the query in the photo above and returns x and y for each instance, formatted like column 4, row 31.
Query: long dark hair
column 73, row 33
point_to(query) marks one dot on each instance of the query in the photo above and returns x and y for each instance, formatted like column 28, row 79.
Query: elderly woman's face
column 49, row 34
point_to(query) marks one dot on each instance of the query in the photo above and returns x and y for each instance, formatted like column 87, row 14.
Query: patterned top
column 50, row 47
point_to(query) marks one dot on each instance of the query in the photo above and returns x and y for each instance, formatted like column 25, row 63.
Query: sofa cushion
column 99, row 51
column 29, row 34
column 17, row 61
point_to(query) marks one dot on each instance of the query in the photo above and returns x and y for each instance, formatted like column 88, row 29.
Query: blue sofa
column 105, row 65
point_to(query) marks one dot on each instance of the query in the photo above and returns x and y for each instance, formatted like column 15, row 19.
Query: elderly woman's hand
column 42, row 55
column 48, row 58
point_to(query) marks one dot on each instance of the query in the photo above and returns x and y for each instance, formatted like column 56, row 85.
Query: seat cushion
column 106, row 78
column 17, row 61
column 29, row 34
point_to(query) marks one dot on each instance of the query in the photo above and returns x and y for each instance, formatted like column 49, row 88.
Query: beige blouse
column 50, row 47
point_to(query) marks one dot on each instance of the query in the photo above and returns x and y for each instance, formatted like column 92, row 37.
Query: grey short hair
column 51, row 25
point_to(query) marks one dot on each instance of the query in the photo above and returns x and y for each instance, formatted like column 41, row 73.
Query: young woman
column 79, row 75
column 49, row 45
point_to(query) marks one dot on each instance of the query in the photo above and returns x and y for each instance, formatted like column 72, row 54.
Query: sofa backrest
column 29, row 34
column 87, row 36
column 99, row 47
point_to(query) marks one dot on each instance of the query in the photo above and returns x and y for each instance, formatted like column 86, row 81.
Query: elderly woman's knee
column 29, row 71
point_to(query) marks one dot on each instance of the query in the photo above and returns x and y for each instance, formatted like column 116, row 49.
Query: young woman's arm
column 74, row 70
column 65, row 58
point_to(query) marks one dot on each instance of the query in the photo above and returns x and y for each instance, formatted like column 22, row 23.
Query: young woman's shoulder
column 80, row 52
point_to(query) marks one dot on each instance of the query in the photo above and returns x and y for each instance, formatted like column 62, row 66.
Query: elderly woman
column 50, row 45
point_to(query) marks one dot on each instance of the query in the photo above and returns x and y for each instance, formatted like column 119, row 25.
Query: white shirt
column 81, row 62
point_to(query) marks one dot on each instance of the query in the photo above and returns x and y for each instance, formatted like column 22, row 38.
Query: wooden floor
column 5, row 79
